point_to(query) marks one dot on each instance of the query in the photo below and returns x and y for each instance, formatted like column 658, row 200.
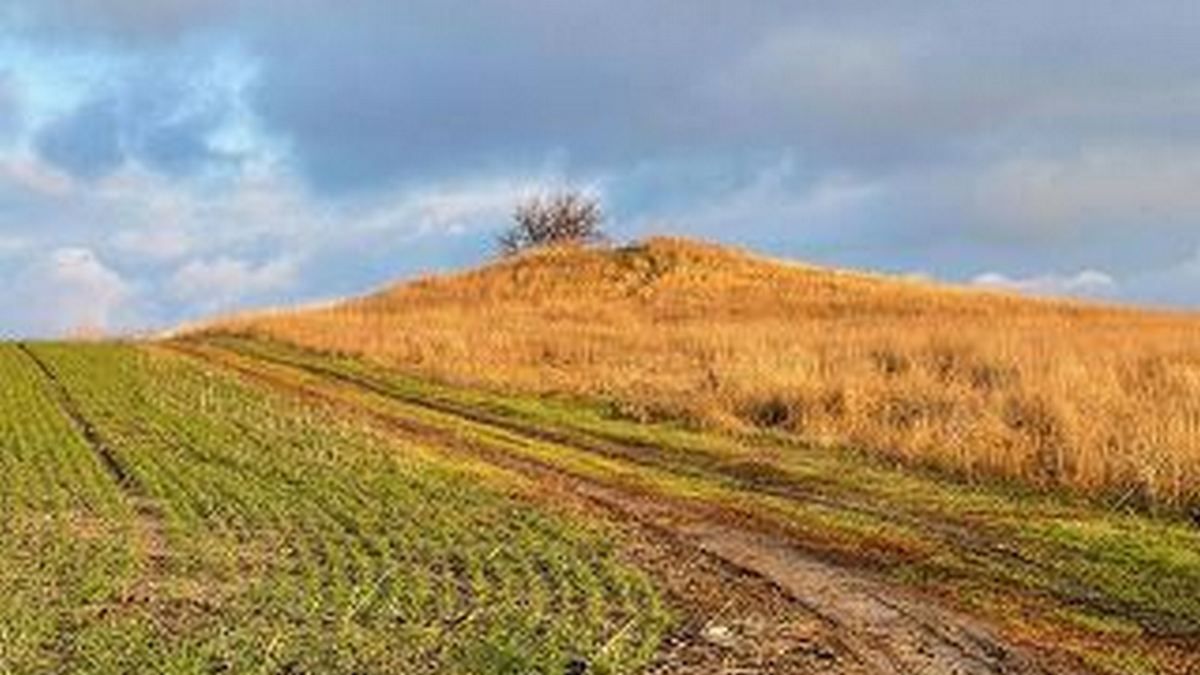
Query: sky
column 163, row 161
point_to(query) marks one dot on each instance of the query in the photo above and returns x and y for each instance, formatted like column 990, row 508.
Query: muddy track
column 876, row 627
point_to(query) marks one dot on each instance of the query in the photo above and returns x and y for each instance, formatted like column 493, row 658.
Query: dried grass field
column 1103, row 401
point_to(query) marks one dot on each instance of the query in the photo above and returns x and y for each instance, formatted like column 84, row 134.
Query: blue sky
column 164, row 160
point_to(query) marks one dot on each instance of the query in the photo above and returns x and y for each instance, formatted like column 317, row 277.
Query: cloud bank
column 210, row 155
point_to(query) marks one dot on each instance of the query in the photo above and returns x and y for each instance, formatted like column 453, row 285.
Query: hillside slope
column 1103, row 400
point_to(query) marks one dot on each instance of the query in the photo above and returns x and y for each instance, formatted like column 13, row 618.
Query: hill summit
column 672, row 278
column 1057, row 392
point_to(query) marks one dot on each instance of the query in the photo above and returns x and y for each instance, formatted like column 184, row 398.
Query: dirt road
column 754, row 601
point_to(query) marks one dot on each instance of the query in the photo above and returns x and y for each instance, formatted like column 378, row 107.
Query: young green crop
column 229, row 530
column 65, row 541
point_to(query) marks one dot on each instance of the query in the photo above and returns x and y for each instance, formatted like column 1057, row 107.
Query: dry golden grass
column 1099, row 399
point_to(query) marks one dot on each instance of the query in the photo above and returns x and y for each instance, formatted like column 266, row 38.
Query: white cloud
column 1085, row 283
column 36, row 179
column 194, row 245
column 152, row 217
column 450, row 209
column 161, row 219
column 222, row 282
column 70, row 289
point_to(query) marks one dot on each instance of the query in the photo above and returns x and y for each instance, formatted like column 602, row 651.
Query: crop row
column 64, row 540
column 243, row 532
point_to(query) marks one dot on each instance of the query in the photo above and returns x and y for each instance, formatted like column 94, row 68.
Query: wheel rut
column 149, row 531
column 879, row 628
column 70, row 407
column 748, row 475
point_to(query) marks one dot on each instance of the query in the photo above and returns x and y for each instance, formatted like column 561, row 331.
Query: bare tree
column 565, row 218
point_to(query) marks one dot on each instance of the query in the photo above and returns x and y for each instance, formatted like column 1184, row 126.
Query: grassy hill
column 224, row 503
column 1102, row 400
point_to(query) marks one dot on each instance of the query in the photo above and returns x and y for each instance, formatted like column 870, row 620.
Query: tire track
column 149, row 529
column 759, row 478
column 67, row 403
column 885, row 629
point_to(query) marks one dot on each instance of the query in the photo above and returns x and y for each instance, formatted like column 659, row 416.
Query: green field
column 230, row 505
column 160, row 517
column 1119, row 591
